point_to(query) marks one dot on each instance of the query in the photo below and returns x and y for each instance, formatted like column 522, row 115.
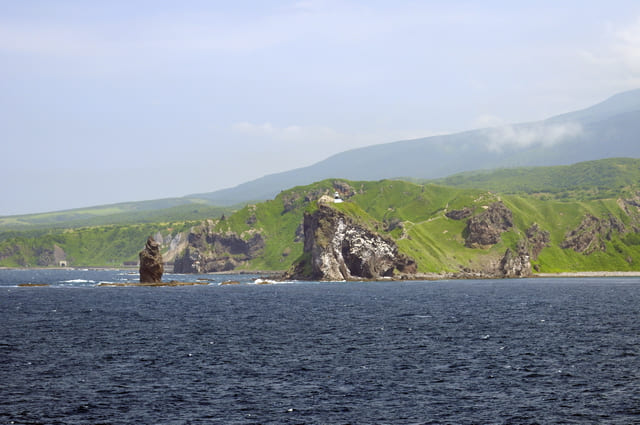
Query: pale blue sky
column 103, row 102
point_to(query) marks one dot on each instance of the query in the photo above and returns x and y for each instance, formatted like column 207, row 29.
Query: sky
column 113, row 101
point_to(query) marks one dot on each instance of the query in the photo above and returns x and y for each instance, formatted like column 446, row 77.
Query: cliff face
column 338, row 248
column 208, row 251
column 516, row 264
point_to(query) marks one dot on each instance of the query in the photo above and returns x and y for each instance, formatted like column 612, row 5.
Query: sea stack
column 151, row 265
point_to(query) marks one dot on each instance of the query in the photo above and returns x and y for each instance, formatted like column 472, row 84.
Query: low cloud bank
column 527, row 135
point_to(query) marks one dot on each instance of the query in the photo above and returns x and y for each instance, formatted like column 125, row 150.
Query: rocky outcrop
column 343, row 188
column 631, row 208
column 516, row 264
column 295, row 199
column 485, row 229
column 151, row 264
column 209, row 251
column 537, row 240
column 45, row 256
column 592, row 233
column 459, row 214
column 336, row 247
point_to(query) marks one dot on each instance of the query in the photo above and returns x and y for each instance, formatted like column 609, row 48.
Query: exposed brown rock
column 459, row 214
column 290, row 200
column 537, row 239
column 252, row 219
column 151, row 265
column 45, row 256
column 486, row 228
column 592, row 233
column 343, row 188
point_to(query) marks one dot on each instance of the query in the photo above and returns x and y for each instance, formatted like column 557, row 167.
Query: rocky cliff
column 210, row 251
column 516, row 264
column 337, row 247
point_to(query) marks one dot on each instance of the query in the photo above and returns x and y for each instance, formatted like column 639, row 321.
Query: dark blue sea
column 529, row 351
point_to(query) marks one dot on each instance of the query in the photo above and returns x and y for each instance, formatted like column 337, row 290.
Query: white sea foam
column 261, row 281
column 78, row 281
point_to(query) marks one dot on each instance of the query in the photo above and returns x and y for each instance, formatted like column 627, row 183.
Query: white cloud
column 527, row 135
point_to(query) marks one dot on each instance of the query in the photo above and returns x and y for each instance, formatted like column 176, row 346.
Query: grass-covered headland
column 589, row 214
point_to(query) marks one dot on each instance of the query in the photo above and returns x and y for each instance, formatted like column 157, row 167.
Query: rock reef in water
column 151, row 264
column 336, row 247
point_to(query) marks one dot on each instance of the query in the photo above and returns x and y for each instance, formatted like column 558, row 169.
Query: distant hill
column 169, row 209
column 591, row 179
column 609, row 129
column 606, row 130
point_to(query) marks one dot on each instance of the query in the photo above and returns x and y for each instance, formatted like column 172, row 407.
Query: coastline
column 279, row 275
column 589, row 274
column 581, row 274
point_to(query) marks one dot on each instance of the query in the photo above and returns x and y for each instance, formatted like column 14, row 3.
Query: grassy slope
column 107, row 246
column 437, row 242
column 125, row 213
column 591, row 179
column 278, row 227
column 434, row 240
column 559, row 217
column 427, row 235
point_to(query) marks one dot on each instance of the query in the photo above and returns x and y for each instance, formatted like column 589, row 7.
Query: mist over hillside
column 605, row 130
column 608, row 129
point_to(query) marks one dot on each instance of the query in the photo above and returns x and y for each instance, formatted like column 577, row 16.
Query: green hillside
column 161, row 210
column 592, row 179
column 596, row 202
column 102, row 246
column 414, row 215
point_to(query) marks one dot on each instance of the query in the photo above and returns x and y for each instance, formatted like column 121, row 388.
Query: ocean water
column 530, row 351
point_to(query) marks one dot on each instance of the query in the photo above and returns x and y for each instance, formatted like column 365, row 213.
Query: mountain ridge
column 605, row 130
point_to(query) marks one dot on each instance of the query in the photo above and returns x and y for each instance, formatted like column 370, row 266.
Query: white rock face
column 343, row 250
